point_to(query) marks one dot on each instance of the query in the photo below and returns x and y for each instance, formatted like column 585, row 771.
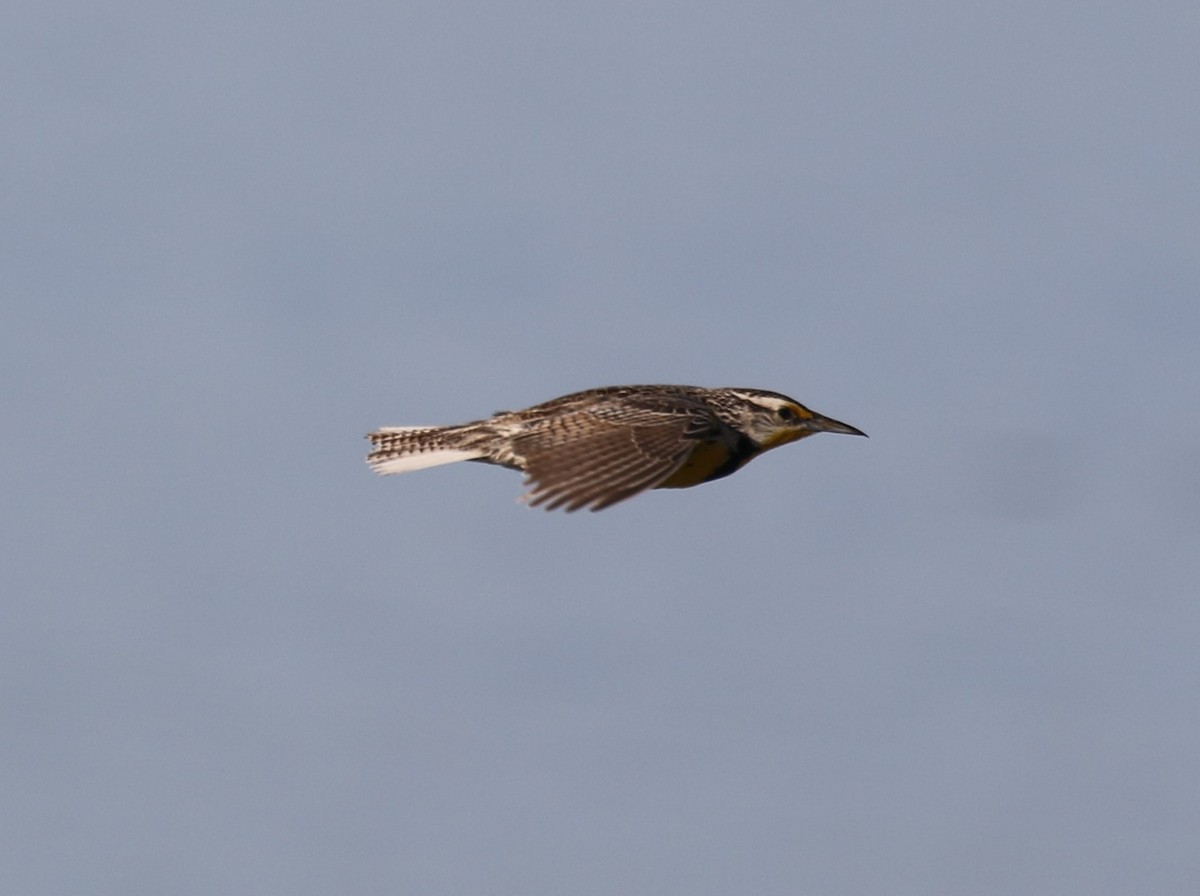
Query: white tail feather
column 404, row 456
column 419, row 461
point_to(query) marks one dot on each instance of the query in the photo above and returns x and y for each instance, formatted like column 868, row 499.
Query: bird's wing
column 596, row 456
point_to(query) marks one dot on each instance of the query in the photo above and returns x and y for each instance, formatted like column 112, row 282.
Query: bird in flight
column 595, row 448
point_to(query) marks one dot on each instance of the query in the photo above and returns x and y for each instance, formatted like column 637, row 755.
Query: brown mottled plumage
column 595, row 448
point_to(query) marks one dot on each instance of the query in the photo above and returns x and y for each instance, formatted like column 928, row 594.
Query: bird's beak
column 827, row 424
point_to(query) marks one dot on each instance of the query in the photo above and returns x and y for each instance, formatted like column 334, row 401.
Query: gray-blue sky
column 958, row 657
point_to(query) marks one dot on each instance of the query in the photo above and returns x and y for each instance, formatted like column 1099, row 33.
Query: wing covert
column 597, row 457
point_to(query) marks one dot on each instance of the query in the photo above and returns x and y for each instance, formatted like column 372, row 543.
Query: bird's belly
column 708, row 460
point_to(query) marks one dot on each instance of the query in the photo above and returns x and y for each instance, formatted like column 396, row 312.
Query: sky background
column 960, row 657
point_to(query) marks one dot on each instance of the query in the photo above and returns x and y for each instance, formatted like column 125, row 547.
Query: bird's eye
column 786, row 414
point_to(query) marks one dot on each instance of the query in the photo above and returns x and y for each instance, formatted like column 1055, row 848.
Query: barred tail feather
column 402, row 449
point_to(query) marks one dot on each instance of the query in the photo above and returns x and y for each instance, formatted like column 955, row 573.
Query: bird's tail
column 400, row 449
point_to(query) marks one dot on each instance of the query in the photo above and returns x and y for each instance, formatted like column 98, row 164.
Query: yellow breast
column 706, row 458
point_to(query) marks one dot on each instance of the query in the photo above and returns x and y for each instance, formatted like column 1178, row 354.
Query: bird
column 594, row 448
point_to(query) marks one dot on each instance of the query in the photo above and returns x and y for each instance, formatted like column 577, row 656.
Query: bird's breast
column 708, row 461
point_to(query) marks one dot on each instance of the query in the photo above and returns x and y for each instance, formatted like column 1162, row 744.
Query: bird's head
column 771, row 419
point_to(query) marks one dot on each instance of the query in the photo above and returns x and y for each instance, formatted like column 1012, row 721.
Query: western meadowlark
column 595, row 448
